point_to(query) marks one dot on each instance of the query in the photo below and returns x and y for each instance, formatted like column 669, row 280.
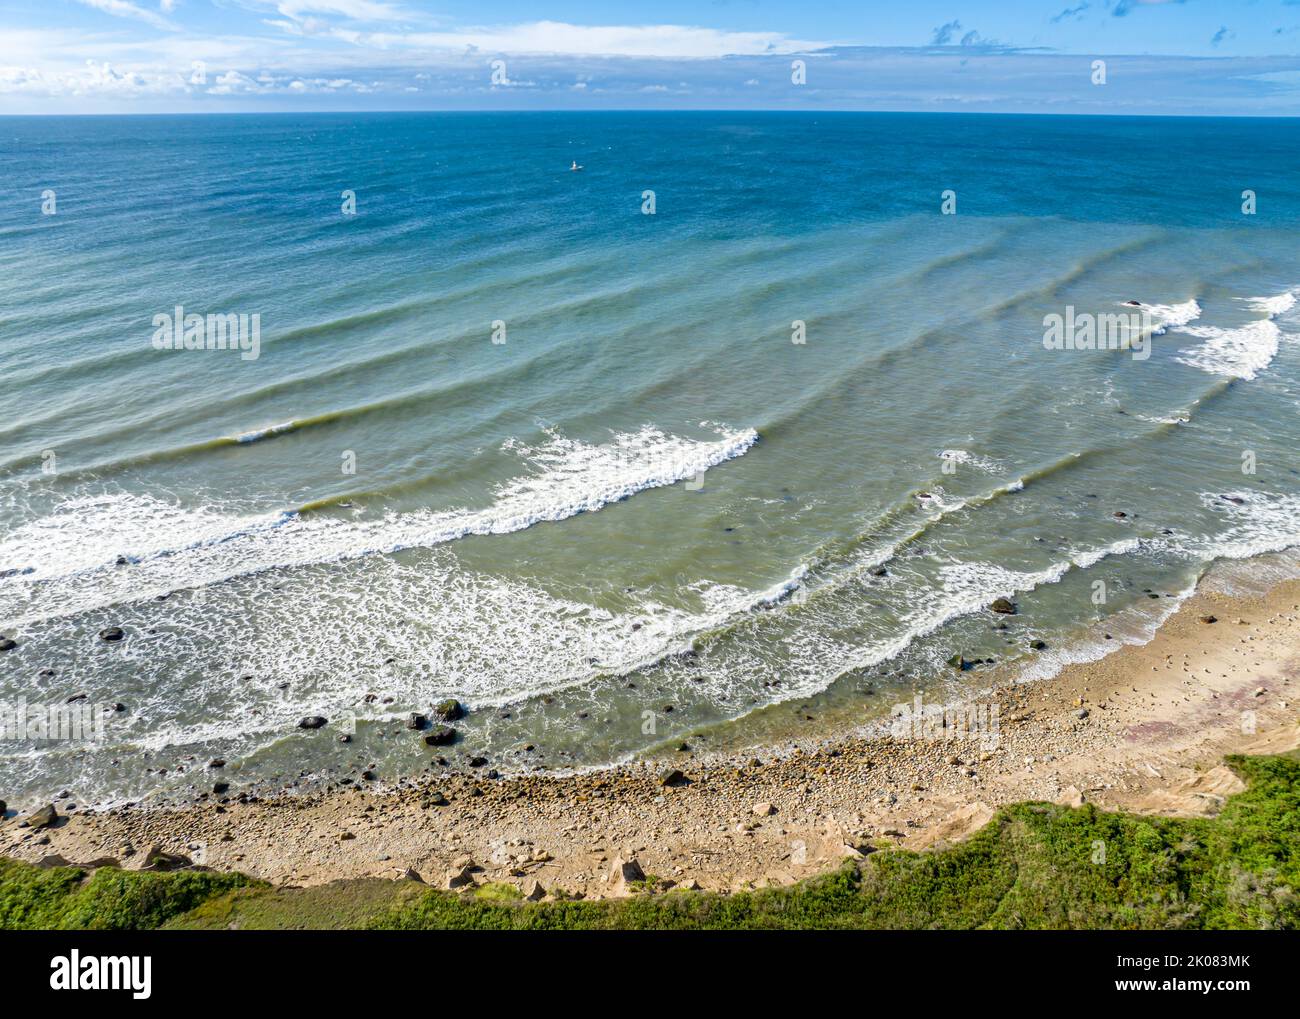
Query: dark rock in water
column 1003, row 605
column 216, row 762
column 450, row 710
column 1134, row 304
column 123, row 561
column 3, row 807
column 440, row 735
column 1119, row 514
column 1038, row 645
column 960, row 663
column 369, row 776
column 313, row 722
column 220, row 787
column 344, row 738
column 477, row 762
column 673, row 777
column 7, row 643
column 879, row 572
column 42, row 818
column 417, row 721
column 112, row 633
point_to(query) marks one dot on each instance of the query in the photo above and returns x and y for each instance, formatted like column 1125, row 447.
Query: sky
column 1183, row 57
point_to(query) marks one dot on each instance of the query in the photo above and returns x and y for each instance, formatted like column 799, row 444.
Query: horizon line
column 660, row 109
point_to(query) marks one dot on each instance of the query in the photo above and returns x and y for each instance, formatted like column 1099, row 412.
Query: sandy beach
column 1143, row 729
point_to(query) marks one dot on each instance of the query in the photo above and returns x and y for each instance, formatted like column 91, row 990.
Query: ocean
column 740, row 428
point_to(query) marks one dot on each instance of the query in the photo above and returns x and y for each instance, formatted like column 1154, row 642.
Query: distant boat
column 575, row 167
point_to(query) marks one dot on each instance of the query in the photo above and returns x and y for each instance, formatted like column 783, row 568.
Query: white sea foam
column 258, row 434
column 1172, row 316
column 1244, row 351
column 174, row 548
column 812, row 657
column 965, row 456
column 1259, row 522
column 1274, row 306
column 1240, row 353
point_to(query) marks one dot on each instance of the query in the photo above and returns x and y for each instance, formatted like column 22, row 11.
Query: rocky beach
column 1143, row 729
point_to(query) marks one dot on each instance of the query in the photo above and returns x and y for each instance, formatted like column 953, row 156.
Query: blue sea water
column 508, row 437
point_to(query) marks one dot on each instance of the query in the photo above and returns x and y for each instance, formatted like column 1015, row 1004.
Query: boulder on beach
column 533, row 891
column 673, row 777
column 623, row 873
column 460, row 878
column 157, row 860
column 42, row 818
column 416, row 721
column 450, row 710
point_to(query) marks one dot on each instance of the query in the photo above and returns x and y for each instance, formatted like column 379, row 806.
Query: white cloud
column 556, row 38
column 123, row 9
column 353, row 10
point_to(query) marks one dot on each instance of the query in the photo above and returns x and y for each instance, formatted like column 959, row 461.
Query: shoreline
column 1143, row 728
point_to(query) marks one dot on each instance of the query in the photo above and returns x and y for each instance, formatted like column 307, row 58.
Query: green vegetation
column 65, row 898
column 1035, row 865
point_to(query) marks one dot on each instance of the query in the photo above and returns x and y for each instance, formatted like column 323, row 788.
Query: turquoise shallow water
column 647, row 495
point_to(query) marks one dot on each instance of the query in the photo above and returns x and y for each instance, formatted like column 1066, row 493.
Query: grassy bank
column 1034, row 865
